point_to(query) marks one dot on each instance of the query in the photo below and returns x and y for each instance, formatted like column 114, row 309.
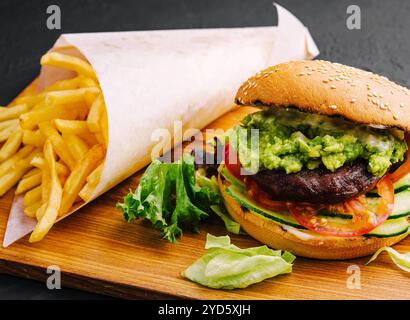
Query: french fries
column 72, row 126
column 53, row 202
column 32, row 196
column 11, row 146
column 33, row 138
column 59, row 60
column 78, row 148
column 53, row 144
column 94, row 116
column 13, row 112
column 79, row 175
column 48, row 130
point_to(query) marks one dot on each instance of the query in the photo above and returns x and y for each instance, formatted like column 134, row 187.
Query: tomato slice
column 232, row 162
column 364, row 220
column 404, row 169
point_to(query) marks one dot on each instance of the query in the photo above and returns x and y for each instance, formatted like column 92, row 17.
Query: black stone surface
column 381, row 45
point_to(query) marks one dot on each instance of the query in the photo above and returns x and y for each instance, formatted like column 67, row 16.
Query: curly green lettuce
column 171, row 197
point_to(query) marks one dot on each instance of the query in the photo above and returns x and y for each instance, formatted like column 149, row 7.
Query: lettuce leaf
column 230, row 225
column 226, row 266
column 169, row 196
column 402, row 260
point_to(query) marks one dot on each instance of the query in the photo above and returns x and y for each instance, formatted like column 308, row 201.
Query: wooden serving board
column 97, row 251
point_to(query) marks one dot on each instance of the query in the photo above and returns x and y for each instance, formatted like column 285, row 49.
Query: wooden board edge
column 70, row 280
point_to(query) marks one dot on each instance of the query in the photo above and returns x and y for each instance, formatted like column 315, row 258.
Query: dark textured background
column 381, row 45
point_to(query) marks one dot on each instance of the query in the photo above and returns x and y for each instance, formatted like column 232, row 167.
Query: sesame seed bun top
column 330, row 89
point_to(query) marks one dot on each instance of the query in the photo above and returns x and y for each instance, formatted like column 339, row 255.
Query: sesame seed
column 401, row 105
column 302, row 74
column 353, row 100
column 395, row 117
column 333, row 107
column 333, row 86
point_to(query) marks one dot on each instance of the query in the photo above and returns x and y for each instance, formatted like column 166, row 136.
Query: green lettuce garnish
column 226, row 266
column 402, row 260
column 230, row 225
column 169, row 196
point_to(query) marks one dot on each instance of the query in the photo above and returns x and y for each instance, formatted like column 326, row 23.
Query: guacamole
column 290, row 140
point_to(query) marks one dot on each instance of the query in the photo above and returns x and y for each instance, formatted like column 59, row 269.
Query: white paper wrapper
column 152, row 78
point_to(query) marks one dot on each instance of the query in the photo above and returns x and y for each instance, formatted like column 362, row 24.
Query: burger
column 320, row 168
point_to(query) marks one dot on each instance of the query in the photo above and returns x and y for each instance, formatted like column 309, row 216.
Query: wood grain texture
column 97, row 251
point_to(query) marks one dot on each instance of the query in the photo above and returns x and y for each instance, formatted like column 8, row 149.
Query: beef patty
column 317, row 186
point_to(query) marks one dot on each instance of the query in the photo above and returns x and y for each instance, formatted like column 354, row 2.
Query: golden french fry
column 100, row 138
column 30, row 100
column 45, row 184
column 66, row 84
column 89, row 138
column 13, row 112
column 77, row 147
column 86, row 82
column 31, row 209
column 104, row 126
column 6, row 133
column 11, row 146
column 52, row 208
column 40, row 211
column 64, row 61
column 78, row 176
column 86, row 191
column 39, row 163
column 32, row 172
column 94, row 177
column 92, row 181
column 32, row 196
column 49, row 131
column 72, row 126
column 31, row 119
column 33, row 138
column 70, row 96
column 11, row 177
column 29, row 183
column 13, row 160
column 9, row 123
column 8, row 180
column 38, row 106
column 94, row 116
column 73, row 83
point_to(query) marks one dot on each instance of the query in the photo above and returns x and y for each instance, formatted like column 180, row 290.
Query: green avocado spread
column 290, row 140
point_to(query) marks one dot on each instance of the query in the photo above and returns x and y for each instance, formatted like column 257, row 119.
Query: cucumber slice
column 390, row 228
column 244, row 201
column 400, row 186
column 232, row 179
column 401, row 205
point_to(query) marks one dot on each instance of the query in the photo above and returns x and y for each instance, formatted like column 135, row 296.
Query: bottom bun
column 302, row 244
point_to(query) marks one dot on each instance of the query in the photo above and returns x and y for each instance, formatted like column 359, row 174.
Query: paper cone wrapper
column 150, row 79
